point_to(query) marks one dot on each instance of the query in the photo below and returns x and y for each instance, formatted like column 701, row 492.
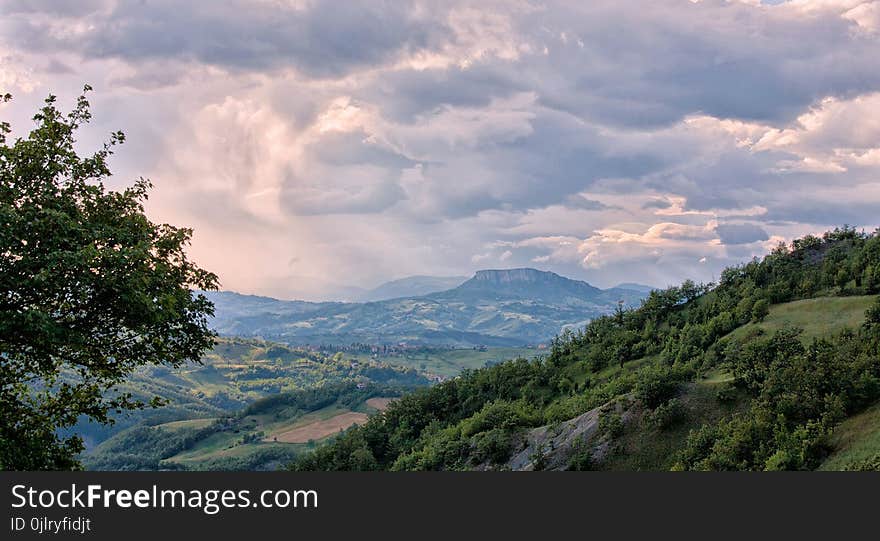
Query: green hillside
column 818, row 318
column 856, row 443
column 252, row 438
column 233, row 377
column 775, row 367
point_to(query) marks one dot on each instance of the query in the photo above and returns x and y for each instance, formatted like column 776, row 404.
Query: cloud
column 577, row 201
column 740, row 233
column 608, row 140
column 315, row 38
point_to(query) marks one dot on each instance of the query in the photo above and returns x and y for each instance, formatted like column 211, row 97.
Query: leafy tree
column 90, row 289
column 760, row 310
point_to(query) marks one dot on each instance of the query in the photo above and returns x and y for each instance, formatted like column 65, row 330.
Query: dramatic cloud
column 316, row 147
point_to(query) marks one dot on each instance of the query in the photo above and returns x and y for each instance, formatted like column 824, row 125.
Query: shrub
column 655, row 386
column 667, row 414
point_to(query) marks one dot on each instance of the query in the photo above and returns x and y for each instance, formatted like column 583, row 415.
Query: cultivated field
column 380, row 403
column 321, row 429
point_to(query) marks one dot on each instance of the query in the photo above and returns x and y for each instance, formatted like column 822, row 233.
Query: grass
column 818, row 318
column 716, row 376
column 855, row 439
column 378, row 403
column 213, row 444
column 643, row 447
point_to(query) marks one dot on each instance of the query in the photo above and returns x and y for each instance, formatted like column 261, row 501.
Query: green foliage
column 868, row 464
column 760, row 310
column 666, row 415
column 90, row 290
column 656, row 385
column 581, row 458
column 799, row 392
column 610, row 425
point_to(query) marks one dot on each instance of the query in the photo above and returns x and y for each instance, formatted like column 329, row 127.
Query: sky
column 317, row 147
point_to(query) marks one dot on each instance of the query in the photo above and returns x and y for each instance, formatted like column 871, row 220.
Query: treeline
column 675, row 335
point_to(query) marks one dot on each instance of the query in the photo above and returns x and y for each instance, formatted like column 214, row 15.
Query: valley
column 205, row 421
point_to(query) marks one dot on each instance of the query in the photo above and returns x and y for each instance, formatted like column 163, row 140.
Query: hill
column 513, row 307
column 261, row 436
column 235, row 375
column 771, row 368
column 411, row 286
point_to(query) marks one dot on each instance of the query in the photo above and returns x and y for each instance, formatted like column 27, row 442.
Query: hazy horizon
column 315, row 149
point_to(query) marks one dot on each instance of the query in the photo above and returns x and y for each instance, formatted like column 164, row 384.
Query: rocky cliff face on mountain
column 494, row 307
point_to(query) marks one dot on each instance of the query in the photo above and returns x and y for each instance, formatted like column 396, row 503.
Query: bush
column 667, row 414
column 655, row 386
column 760, row 310
column 494, row 446
column 581, row 458
column 610, row 425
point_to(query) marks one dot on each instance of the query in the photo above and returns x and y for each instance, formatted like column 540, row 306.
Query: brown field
column 322, row 429
column 379, row 403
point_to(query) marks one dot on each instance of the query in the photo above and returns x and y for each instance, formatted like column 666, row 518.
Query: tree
column 760, row 310
column 90, row 290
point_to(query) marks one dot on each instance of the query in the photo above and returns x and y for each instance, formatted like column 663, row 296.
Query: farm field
column 379, row 403
column 319, row 430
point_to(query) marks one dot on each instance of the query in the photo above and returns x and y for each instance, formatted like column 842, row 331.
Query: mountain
column 510, row 307
column 631, row 286
column 527, row 284
column 777, row 367
column 411, row 286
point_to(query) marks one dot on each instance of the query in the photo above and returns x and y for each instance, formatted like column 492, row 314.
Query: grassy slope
column 646, row 448
column 854, row 440
column 643, row 447
column 817, row 317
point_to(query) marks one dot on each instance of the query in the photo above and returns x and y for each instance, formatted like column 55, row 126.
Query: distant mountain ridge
column 494, row 307
column 636, row 287
column 411, row 286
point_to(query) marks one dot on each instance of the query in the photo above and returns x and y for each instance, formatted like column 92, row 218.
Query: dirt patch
column 379, row 403
column 322, row 429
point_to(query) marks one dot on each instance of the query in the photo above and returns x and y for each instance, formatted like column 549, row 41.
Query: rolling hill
column 511, row 307
column 234, row 376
